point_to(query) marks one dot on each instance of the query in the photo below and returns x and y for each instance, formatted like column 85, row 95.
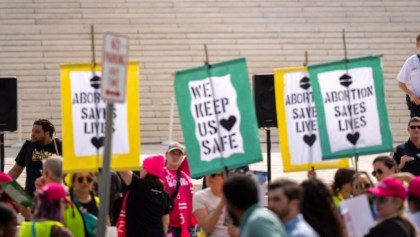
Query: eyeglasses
column 379, row 199
column 214, row 175
column 363, row 186
column 414, row 127
column 88, row 179
column 378, row 171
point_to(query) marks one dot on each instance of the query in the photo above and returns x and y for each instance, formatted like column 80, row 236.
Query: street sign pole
column 113, row 87
column 105, row 177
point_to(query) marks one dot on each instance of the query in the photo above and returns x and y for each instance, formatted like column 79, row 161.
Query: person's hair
column 318, row 209
column 388, row 162
column 46, row 125
column 6, row 214
column 342, row 176
column 415, row 201
column 413, row 119
column 49, row 210
column 291, row 189
column 153, row 181
column 418, row 38
column 54, row 166
column 241, row 191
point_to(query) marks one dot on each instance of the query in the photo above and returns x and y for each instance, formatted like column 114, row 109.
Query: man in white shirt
column 410, row 75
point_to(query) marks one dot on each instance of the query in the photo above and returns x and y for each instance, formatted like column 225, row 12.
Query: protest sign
column 350, row 104
column 297, row 122
column 357, row 215
column 84, row 115
column 217, row 116
column 16, row 192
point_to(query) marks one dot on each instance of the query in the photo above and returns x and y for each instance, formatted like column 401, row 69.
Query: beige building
column 36, row 36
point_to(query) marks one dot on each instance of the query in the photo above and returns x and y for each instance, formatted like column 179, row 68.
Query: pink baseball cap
column 414, row 187
column 4, row 178
column 389, row 187
column 53, row 192
column 154, row 164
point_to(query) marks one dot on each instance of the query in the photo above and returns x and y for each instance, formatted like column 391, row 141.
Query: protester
column 342, row 185
column 53, row 173
column 49, row 213
column 241, row 195
column 147, row 203
column 414, row 201
column 8, row 221
column 360, row 182
column 209, row 207
column 4, row 198
column 178, row 184
column 410, row 75
column 319, row 210
column 406, row 154
column 40, row 147
column 284, row 199
column 388, row 198
column 81, row 191
column 384, row 166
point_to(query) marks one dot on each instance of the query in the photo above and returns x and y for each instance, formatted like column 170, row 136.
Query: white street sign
column 114, row 67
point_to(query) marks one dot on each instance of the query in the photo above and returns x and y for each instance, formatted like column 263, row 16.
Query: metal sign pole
column 105, row 177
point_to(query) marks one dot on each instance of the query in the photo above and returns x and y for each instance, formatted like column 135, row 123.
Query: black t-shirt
column 394, row 227
column 31, row 156
column 411, row 150
column 91, row 207
column 144, row 209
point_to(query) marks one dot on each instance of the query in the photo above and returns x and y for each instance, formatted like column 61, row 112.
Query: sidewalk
column 365, row 163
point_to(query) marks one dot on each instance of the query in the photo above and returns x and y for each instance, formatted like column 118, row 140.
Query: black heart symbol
column 95, row 82
column 228, row 123
column 353, row 137
column 345, row 80
column 97, row 142
column 304, row 83
column 309, row 139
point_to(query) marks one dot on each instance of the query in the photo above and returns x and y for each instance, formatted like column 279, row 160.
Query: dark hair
column 388, row 162
column 46, row 125
column 418, row 38
column 413, row 119
column 319, row 211
column 7, row 214
column 241, row 191
column 415, row 200
column 49, row 210
column 291, row 189
column 153, row 181
column 342, row 176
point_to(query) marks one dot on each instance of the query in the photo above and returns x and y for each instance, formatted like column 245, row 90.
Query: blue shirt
column 259, row 222
column 298, row 227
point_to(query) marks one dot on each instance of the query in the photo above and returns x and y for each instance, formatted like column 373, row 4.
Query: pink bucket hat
column 4, row 178
column 53, row 192
column 154, row 164
column 389, row 187
column 414, row 187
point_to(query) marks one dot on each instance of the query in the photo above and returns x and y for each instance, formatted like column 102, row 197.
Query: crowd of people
column 159, row 200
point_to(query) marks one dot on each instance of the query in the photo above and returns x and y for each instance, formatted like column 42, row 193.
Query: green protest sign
column 350, row 103
column 16, row 192
column 217, row 116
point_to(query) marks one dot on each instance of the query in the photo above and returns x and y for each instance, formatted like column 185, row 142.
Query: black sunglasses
column 379, row 199
column 363, row 186
column 88, row 179
column 414, row 127
column 214, row 175
column 378, row 171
